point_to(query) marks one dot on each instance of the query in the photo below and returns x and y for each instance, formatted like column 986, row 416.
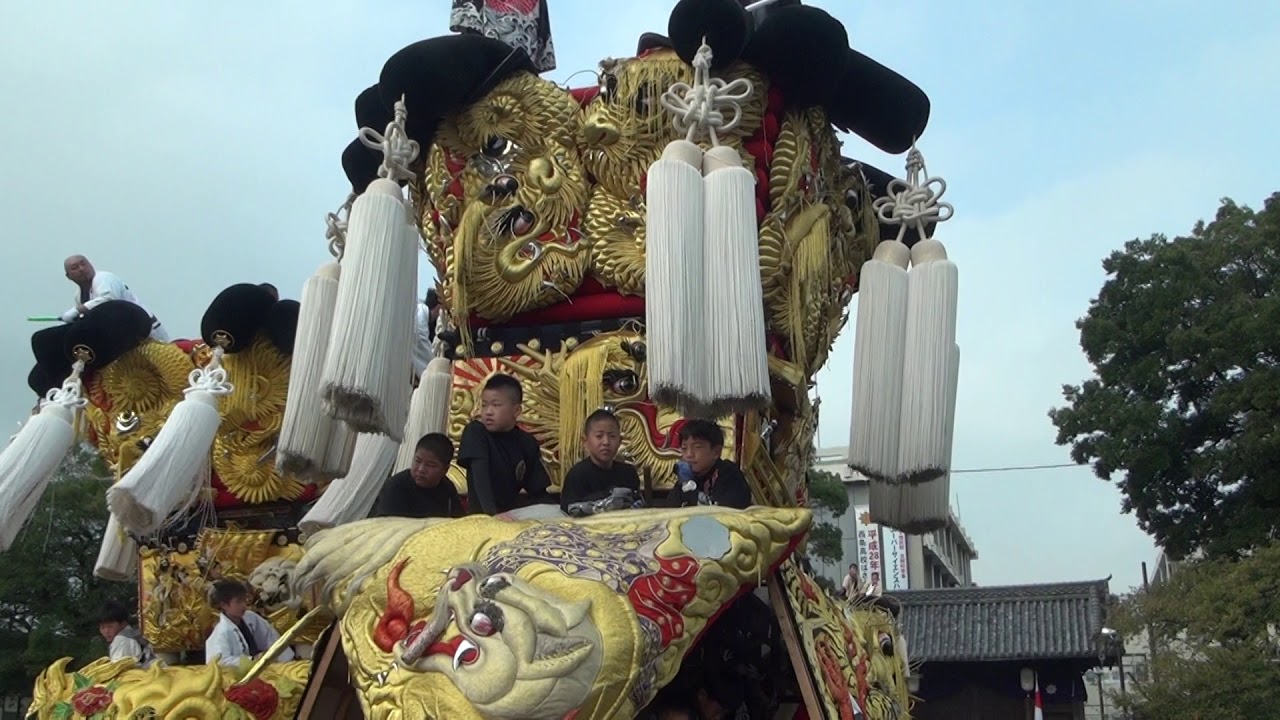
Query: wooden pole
column 795, row 650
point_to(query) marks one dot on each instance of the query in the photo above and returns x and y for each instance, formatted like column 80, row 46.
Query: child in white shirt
column 240, row 632
column 122, row 639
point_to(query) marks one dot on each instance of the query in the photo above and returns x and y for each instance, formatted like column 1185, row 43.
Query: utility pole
column 1102, row 701
column 1151, row 635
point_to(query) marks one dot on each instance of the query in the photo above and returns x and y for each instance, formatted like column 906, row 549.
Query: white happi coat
column 227, row 643
column 108, row 286
column 423, row 350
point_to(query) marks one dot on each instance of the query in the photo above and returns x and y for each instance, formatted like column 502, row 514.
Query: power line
column 1012, row 468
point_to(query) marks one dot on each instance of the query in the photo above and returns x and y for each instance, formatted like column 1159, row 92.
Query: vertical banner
column 870, row 561
column 895, row 560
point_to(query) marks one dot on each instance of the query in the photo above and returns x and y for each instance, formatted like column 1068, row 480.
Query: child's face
column 498, row 410
column 602, row 441
column 235, row 608
column 427, row 471
column 109, row 630
column 700, row 454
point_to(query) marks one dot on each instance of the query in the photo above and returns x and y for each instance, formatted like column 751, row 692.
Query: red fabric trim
column 584, row 95
column 602, row 305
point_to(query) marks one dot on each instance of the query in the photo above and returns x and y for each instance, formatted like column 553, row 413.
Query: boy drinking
column 122, row 639
column 703, row 477
column 240, row 632
column 422, row 491
column 500, row 458
column 596, row 476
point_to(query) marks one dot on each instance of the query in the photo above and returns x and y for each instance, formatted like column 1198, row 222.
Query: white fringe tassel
column 429, row 409
column 118, row 554
column 738, row 370
column 918, row 508
column 924, row 430
column 674, row 311
column 168, row 477
column 352, row 497
column 306, row 430
column 30, row 461
column 879, row 346
column 375, row 304
column 338, row 454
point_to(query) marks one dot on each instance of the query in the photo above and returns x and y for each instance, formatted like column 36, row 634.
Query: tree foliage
column 826, row 492
column 1214, row 626
column 1184, row 407
column 49, row 598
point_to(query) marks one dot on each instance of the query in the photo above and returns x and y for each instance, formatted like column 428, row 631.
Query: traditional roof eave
column 1058, row 621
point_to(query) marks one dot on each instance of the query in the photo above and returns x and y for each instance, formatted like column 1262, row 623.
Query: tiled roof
column 1016, row 622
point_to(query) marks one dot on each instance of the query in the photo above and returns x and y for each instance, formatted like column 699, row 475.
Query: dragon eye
column 482, row 625
column 642, row 101
column 609, row 86
column 496, row 146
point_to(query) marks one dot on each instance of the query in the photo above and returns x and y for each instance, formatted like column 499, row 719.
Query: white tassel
column 403, row 343
column 352, row 497
column 118, row 554
column 168, row 478
column 924, row 430
column 306, row 430
column 32, row 458
column 674, row 311
column 9, row 532
column 429, row 410
column 879, row 344
column 362, row 373
column 737, row 378
column 918, row 508
column 340, row 450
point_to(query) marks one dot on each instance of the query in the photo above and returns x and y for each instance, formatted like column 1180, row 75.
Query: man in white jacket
column 240, row 632
column 123, row 641
column 99, row 287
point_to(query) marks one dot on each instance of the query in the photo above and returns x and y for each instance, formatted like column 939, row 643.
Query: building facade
column 940, row 559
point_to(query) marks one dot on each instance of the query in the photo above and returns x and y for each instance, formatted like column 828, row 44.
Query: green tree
column 1215, row 637
column 1184, row 407
column 826, row 492
column 49, row 598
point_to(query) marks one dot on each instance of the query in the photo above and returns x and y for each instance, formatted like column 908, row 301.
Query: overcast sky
column 189, row 146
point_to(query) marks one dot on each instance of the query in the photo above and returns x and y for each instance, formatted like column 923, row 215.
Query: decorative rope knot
column 915, row 201
column 69, row 394
column 398, row 151
column 335, row 233
column 703, row 105
column 211, row 378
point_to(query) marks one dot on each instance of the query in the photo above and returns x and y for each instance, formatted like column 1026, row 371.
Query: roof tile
column 1017, row 622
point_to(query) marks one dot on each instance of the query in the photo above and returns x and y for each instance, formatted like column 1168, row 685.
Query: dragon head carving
column 505, row 191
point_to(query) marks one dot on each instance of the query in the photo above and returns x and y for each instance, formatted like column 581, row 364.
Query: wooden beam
column 795, row 648
column 320, row 674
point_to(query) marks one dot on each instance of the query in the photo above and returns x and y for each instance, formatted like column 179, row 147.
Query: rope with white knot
column 335, row 232
column 398, row 151
column 702, row 106
column 69, row 394
column 211, row 378
column 915, row 201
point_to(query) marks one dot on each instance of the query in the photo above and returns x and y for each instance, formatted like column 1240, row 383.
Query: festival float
column 681, row 239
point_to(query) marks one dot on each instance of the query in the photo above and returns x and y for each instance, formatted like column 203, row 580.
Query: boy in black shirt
column 500, row 458
column 706, row 478
column 422, row 491
column 596, row 476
